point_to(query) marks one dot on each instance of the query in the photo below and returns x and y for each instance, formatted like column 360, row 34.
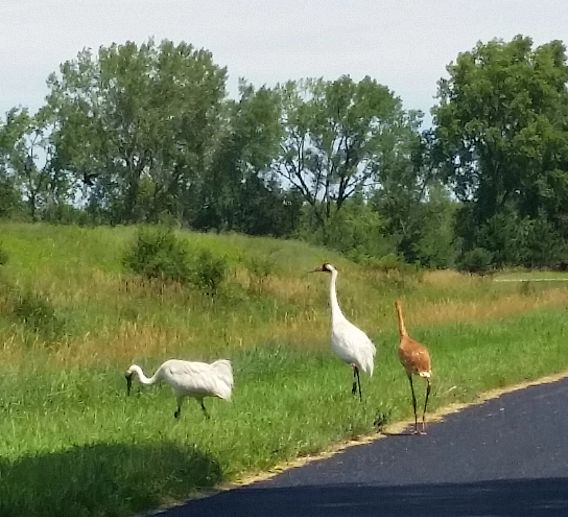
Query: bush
column 356, row 230
column 545, row 247
column 395, row 271
column 387, row 263
column 157, row 253
column 38, row 314
column 259, row 268
column 478, row 260
column 209, row 271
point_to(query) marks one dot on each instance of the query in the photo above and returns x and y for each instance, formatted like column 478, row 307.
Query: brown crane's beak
column 128, row 383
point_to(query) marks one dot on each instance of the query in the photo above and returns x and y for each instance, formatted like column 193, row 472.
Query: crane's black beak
column 128, row 383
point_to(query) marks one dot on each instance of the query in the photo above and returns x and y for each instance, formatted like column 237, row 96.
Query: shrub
column 157, row 253
column 357, row 231
column 209, row 271
column 545, row 247
column 396, row 271
column 259, row 269
column 388, row 262
column 526, row 288
column 478, row 260
column 38, row 314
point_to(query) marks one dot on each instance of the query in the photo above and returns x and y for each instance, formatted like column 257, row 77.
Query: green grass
column 72, row 443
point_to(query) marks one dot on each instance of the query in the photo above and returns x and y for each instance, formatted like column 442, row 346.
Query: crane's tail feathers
column 366, row 365
column 368, row 359
column 224, row 377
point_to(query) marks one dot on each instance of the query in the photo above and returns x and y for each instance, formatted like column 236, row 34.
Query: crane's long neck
column 335, row 309
column 142, row 378
column 401, row 327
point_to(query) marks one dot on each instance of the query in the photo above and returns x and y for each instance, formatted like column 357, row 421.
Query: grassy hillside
column 72, row 320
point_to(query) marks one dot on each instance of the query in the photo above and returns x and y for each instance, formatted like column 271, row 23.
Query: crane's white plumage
column 352, row 345
column 190, row 379
column 349, row 342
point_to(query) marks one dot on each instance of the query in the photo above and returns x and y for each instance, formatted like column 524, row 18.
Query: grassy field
column 523, row 275
column 72, row 443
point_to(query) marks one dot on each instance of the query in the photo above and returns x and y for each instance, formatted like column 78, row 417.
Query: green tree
column 29, row 161
column 333, row 134
column 235, row 192
column 357, row 230
column 9, row 196
column 501, row 130
column 135, row 124
column 435, row 246
column 404, row 183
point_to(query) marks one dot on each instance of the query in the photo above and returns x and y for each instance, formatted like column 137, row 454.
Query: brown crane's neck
column 401, row 327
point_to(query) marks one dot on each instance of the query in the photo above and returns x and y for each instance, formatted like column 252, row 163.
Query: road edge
column 394, row 428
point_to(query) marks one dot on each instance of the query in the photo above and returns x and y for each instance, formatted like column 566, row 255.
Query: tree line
column 147, row 133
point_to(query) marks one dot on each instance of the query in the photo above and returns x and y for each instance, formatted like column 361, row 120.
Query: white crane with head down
column 189, row 379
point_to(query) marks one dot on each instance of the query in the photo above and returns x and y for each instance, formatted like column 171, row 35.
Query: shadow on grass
column 503, row 498
column 104, row 479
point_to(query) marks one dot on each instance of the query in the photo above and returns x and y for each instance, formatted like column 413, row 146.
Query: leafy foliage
column 334, row 135
column 259, row 268
column 502, row 139
column 356, row 231
column 28, row 162
column 39, row 314
column 135, row 123
column 10, row 202
column 209, row 272
column 158, row 253
column 478, row 260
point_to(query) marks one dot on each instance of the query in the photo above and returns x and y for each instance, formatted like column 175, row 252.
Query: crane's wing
column 201, row 379
column 415, row 358
column 354, row 346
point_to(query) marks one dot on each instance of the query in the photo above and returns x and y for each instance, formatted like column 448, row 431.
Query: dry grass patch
column 450, row 311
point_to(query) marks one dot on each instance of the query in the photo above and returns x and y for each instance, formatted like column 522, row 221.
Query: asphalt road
column 506, row 457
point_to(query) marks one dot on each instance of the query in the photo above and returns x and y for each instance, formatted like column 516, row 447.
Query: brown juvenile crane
column 416, row 361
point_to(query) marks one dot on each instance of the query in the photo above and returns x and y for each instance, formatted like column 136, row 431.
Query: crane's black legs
column 359, row 384
column 413, row 402
column 178, row 410
column 204, row 410
column 354, row 388
column 425, row 404
column 356, row 383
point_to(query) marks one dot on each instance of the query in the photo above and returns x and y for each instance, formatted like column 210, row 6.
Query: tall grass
column 72, row 443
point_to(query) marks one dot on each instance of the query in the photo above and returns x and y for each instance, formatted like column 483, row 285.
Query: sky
column 403, row 44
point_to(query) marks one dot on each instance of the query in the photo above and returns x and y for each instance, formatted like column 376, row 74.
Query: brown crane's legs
column 425, row 404
column 414, row 403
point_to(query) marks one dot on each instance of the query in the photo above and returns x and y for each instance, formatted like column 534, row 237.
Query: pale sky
column 405, row 45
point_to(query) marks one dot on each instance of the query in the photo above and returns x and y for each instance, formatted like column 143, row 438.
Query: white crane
column 349, row 342
column 189, row 379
